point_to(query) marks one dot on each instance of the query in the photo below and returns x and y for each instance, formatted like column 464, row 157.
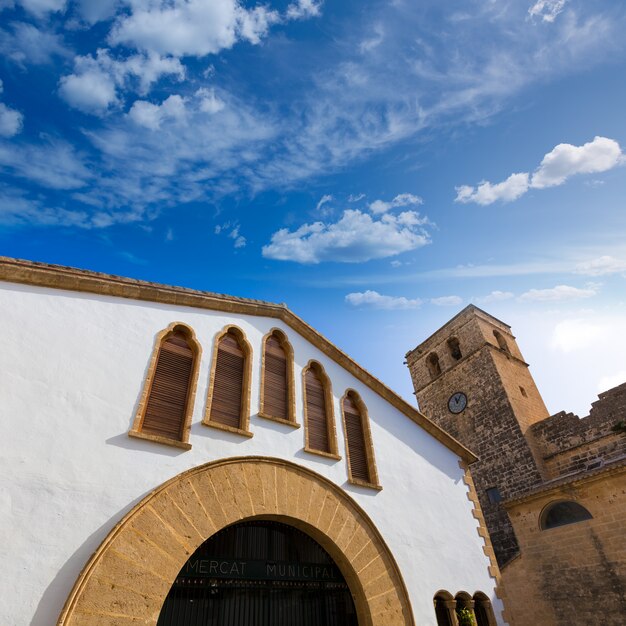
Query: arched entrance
column 128, row 578
column 259, row 573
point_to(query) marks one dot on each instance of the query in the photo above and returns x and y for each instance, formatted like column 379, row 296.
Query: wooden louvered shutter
column 228, row 383
column 357, row 451
column 317, row 422
column 275, row 388
column 169, row 393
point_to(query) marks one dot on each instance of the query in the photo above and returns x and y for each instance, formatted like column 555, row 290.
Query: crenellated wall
column 570, row 444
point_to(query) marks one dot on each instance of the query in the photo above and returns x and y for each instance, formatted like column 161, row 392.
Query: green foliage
column 466, row 617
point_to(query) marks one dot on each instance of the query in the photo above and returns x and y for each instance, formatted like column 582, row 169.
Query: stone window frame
column 482, row 605
column 464, row 600
column 434, row 365
column 372, row 470
column 330, row 412
column 136, row 429
column 244, row 411
column 454, row 347
column 501, row 341
column 551, row 505
column 291, row 387
column 494, row 495
column 445, row 608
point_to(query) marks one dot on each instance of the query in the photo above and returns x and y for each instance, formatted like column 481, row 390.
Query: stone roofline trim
column 615, row 467
column 73, row 279
column 469, row 308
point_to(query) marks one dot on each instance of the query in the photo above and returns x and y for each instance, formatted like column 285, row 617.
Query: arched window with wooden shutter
column 166, row 405
column 359, row 446
column 319, row 423
column 228, row 401
column 277, row 382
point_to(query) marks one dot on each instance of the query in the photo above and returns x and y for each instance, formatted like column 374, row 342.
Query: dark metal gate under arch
column 259, row 573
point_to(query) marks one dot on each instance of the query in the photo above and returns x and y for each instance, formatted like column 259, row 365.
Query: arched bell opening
column 259, row 573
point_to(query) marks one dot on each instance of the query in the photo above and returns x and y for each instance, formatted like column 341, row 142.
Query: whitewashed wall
column 72, row 368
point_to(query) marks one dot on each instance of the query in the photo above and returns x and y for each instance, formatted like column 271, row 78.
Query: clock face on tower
column 457, row 402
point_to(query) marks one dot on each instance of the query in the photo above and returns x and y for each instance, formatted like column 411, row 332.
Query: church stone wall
column 489, row 425
column 574, row 574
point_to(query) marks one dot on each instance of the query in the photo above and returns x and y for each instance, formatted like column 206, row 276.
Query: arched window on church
column 359, row 447
column 319, row 423
column 562, row 513
column 501, row 341
column 166, row 405
column 277, row 384
column 432, row 362
column 445, row 606
column 483, row 610
column 228, row 400
column 454, row 348
column 465, row 609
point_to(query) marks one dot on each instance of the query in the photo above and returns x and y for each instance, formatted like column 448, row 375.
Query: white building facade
column 97, row 525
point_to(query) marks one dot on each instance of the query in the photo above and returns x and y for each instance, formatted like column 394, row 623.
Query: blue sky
column 375, row 165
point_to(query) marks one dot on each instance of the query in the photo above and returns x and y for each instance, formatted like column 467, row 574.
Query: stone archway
column 129, row 576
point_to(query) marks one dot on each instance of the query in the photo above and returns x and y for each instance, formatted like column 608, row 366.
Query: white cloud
column 232, row 231
column 495, row 296
column 375, row 300
column 356, row 197
column 484, row 193
column 572, row 335
column 557, row 166
column 325, row 199
column 18, row 210
column 93, row 11
column 371, row 43
column 558, row 293
column 40, row 8
column 565, row 160
column 199, row 157
column 92, row 88
column 11, row 121
column 209, row 101
column 447, row 301
column 146, row 69
column 355, row 238
column 601, row 266
column 570, row 353
column 404, row 199
column 303, row 9
column 240, row 240
column 547, row 10
column 152, row 115
column 191, row 27
column 53, row 164
column 89, row 92
column 24, row 43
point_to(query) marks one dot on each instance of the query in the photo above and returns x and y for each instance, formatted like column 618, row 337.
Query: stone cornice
column 555, row 486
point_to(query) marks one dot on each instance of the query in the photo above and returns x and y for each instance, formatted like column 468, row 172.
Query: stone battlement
column 571, row 444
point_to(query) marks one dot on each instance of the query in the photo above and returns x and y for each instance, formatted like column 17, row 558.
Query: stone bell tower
column 471, row 379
